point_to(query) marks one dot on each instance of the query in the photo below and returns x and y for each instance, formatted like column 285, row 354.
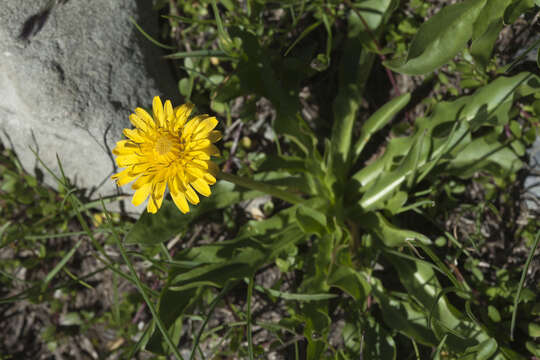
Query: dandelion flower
column 168, row 150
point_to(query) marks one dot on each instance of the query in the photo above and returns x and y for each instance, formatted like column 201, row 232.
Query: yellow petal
column 200, row 154
column 189, row 128
column 199, row 144
column 185, row 168
column 134, row 135
column 209, row 178
column 180, row 202
column 201, row 186
column 124, row 177
column 169, row 114
column 151, row 207
column 181, row 114
column 159, row 115
column 200, row 163
column 144, row 116
column 141, row 194
column 141, row 168
column 142, row 181
column 156, row 197
column 127, row 160
column 204, row 127
column 200, row 118
column 138, row 122
column 195, row 171
column 180, row 182
column 124, row 147
column 191, row 195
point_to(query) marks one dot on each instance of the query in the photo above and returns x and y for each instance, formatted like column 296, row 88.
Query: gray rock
column 71, row 72
column 532, row 182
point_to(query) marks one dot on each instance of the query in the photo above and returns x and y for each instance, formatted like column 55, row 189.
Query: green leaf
column 258, row 243
column 354, row 70
column 9, row 182
column 511, row 354
column 483, row 351
column 378, row 120
column 447, row 127
column 374, row 13
column 493, row 96
column 482, row 47
column 481, row 154
column 184, row 86
column 153, row 229
column 290, row 163
column 397, row 147
column 295, row 297
column 171, row 308
column 317, row 322
column 388, row 233
column 533, row 348
column 494, row 314
column 403, row 316
column 280, row 170
column 517, row 8
column 533, row 329
column 70, row 319
column 420, row 281
column 228, row 90
column 515, row 128
column 386, row 186
column 491, row 13
column 350, row 281
column 440, row 38
column 311, row 221
column 378, row 343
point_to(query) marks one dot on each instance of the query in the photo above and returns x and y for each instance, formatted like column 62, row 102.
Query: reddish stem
column 377, row 46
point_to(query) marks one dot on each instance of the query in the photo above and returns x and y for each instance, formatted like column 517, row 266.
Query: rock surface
column 71, row 72
column 532, row 182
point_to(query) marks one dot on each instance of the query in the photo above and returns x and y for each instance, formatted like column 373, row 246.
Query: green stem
column 249, row 334
column 262, row 187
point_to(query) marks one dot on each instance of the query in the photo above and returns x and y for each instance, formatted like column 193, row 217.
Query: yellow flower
column 168, row 150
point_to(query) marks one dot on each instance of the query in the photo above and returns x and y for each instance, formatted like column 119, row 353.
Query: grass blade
column 249, row 334
column 151, row 39
column 140, row 287
column 520, row 286
column 197, row 53
column 213, row 305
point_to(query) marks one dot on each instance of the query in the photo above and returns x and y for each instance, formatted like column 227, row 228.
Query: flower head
column 168, row 150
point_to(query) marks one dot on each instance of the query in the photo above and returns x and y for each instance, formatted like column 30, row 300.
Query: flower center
column 165, row 144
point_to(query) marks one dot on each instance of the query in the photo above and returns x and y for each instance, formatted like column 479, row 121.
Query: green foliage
column 358, row 238
column 41, row 239
column 354, row 215
column 440, row 38
column 448, row 32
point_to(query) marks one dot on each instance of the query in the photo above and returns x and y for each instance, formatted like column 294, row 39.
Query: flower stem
column 262, row 187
